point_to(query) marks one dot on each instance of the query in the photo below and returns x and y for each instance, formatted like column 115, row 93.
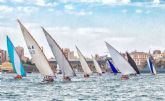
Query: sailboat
column 132, row 63
column 61, row 59
column 123, row 66
column 151, row 65
column 85, row 67
column 37, row 55
column 97, row 66
column 113, row 68
column 15, row 60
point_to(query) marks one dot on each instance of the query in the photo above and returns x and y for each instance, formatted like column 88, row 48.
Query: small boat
column 113, row 68
column 120, row 62
column 37, row 55
column 97, row 66
column 151, row 65
column 84, row 64
column 15, row 60
column 61, row 59
column 132, row 63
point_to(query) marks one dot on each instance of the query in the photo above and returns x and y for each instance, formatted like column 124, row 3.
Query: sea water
column 108, row 87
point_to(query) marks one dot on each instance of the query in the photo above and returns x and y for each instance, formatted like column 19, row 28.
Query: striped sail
column 132, row 63
column 97, row 66
column 83, row 62
column 113, row 68
column 123, row 66
column 151, row 65
column 36, row 53
column 15, row 59
column 62, row 61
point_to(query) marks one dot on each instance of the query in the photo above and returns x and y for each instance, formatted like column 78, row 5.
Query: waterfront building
column 68, row 53
column 20, row 51
column 140, row 58
column 3, row 56
column 6, row 67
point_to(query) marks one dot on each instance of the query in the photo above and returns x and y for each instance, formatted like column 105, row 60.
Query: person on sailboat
column 66, row 78
column 124, row 77
column 18, row 77
column 48, row 78
column 86, row 75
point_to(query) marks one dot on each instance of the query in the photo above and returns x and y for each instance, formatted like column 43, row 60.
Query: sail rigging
column 15, row 59
column 61, row 59
column 123, row 66
column 36, row 53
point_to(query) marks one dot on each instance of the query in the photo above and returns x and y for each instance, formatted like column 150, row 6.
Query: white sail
column 62, row 61
column 97, row 66
column 151, row 65
column 36, row 53
column 119, row 61
column 83, row 62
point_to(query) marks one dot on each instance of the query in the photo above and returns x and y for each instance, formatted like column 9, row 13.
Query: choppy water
column 144, row 87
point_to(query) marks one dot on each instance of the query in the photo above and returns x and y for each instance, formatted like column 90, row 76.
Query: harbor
column 82, row 50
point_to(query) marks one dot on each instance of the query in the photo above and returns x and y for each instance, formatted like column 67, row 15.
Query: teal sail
column 14, row 58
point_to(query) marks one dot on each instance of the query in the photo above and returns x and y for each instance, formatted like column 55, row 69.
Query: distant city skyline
column 127, row 25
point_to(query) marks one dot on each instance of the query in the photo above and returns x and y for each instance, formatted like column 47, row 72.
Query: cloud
column 27, row 10
column 18, row 1
column 138, row 11
column 79, row 13
column 124, row 11
column 5, row 9
column 69, row 7
column 44, row 3
column 122, row 39
column 105, row 2
column 40, row 2
column 156, row 1
column 2, row 0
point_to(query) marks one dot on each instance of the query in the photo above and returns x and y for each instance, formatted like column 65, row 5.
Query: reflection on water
column 144, row 87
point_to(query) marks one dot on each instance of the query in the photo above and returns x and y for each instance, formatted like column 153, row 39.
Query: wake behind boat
column 37, row 55
column 62, row 61
column 15, row 60
column 123, row 66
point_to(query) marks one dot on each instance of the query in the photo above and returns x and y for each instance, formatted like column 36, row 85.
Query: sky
column 127, row 25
